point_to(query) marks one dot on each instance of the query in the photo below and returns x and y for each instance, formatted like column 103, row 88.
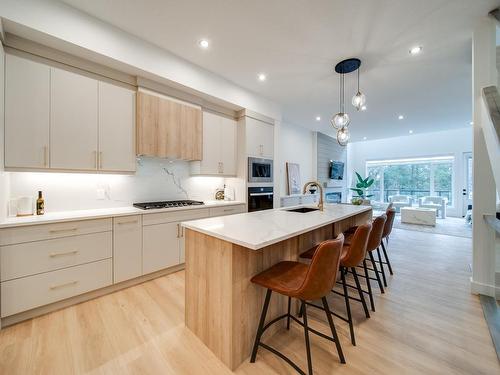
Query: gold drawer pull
column 53, row 255
column 53, row 231
column 127, row 222
column 63, row 285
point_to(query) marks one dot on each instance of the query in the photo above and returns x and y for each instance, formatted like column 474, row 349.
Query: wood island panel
column 222, row 305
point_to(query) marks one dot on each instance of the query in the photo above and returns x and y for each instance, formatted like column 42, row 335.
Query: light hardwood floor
column 426, row 323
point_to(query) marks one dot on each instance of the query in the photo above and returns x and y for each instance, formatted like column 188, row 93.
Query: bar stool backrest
column 322, row 272
column 356, row 252
column 391, row 214
column 376, row 233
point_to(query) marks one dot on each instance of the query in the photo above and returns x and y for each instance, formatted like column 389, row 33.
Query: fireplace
column 333, row 197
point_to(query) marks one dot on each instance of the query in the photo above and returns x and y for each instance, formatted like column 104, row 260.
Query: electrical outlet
column 101, row 194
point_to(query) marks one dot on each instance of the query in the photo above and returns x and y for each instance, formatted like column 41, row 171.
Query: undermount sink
column 303, row 210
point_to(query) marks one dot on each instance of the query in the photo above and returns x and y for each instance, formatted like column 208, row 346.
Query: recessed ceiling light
column 411, row 132
column 415, row 50
column 471, row 123
column 401, row 117
column 204, row 43
column 364, row 138
column 363, row 108
column 318, row 118
column 262, row 77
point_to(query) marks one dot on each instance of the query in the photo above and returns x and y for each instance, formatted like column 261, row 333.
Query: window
column 417, row 177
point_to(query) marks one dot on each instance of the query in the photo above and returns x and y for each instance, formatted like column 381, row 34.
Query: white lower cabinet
column 127, row 248
column 33, row 291
column 160, row 246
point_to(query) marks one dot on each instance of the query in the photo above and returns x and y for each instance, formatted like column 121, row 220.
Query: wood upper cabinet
column 168, row 128
column 219, row 146
column 27, row 90
column 73, row 121
column 116, row 128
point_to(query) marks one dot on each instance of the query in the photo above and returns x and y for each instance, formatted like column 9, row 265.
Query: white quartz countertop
column 54, row 217
column 256, row 230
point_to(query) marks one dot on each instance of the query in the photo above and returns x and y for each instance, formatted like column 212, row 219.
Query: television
column 336, row 170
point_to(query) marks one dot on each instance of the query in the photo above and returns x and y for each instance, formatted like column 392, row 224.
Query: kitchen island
column 222, row 255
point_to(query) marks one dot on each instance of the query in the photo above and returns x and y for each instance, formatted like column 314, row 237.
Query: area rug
column 452, row 226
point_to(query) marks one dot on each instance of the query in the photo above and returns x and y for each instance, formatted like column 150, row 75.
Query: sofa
column 438, row 203
column 399, row 201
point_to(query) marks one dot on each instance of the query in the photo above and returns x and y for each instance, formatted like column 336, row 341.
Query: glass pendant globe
column 340, row 120
column 359, row 100
column 343, row 136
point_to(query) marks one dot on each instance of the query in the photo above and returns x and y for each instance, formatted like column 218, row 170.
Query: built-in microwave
column 260, row 170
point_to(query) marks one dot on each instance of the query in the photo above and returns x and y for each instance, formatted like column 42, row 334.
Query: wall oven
column 260, row 198
column 260, row 170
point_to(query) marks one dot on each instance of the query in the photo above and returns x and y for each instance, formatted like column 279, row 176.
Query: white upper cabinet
column 116, row 128
column 73, row 121
column 27, row 89
column 56, row 119
column 259, row 138
column 219, row 146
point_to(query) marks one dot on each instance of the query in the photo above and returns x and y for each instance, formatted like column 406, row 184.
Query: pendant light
column 341, row 119
column 358, row 100
column 343, row 136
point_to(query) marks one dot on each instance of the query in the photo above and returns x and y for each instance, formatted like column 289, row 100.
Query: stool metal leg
column 306, row 336
column 374, row 264
column 381, row 266
column 261, row 326
column 334, row 331
column 360, row 291
column 387, row 258
column 288, row 317
column 367, row 278
column 347, row 306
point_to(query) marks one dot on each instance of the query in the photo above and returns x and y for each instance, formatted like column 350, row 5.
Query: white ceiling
column 297, row 43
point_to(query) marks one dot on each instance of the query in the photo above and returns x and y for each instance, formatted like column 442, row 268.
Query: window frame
column 432, row 160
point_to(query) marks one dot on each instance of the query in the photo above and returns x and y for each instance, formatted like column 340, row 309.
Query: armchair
column 399, row 201
column 438, row 203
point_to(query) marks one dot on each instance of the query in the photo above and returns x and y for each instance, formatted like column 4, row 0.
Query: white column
column 483, row 74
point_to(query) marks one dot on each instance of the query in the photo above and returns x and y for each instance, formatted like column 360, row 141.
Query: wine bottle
column 40, row 204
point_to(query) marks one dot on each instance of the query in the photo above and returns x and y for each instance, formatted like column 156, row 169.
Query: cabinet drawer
column 36, row 257
column 170, row 217
column 227, row 210
column 31, row 233
column 38, row 290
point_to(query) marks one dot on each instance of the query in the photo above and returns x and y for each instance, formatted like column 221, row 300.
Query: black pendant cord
column 358, row 80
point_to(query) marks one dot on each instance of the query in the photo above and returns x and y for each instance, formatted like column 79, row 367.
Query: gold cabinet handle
column 45, row 156
column 100, row 159
column 95, row 159
column 53, row 231
column 127, row 222
column 52, row 287
column 178, row 230
column 73, row 252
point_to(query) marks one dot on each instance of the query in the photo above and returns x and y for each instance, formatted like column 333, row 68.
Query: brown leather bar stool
column 391, row 214
column 352, row 256
column 306, row 283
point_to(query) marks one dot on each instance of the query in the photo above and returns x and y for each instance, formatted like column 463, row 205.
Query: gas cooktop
column 166, row 204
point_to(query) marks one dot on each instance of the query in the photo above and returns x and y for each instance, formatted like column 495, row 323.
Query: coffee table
column 418, row 215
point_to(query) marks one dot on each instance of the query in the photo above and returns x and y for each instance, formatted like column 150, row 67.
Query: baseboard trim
column 484, row 289
column 42, row 310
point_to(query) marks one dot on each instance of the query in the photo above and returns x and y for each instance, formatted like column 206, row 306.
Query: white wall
column 4, row 183
column 483, row 74
column 450, row 142
column 295, row 145
column 62, row 27
column 74, row 191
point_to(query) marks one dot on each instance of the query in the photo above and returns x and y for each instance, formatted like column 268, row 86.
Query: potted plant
column 361, row 186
